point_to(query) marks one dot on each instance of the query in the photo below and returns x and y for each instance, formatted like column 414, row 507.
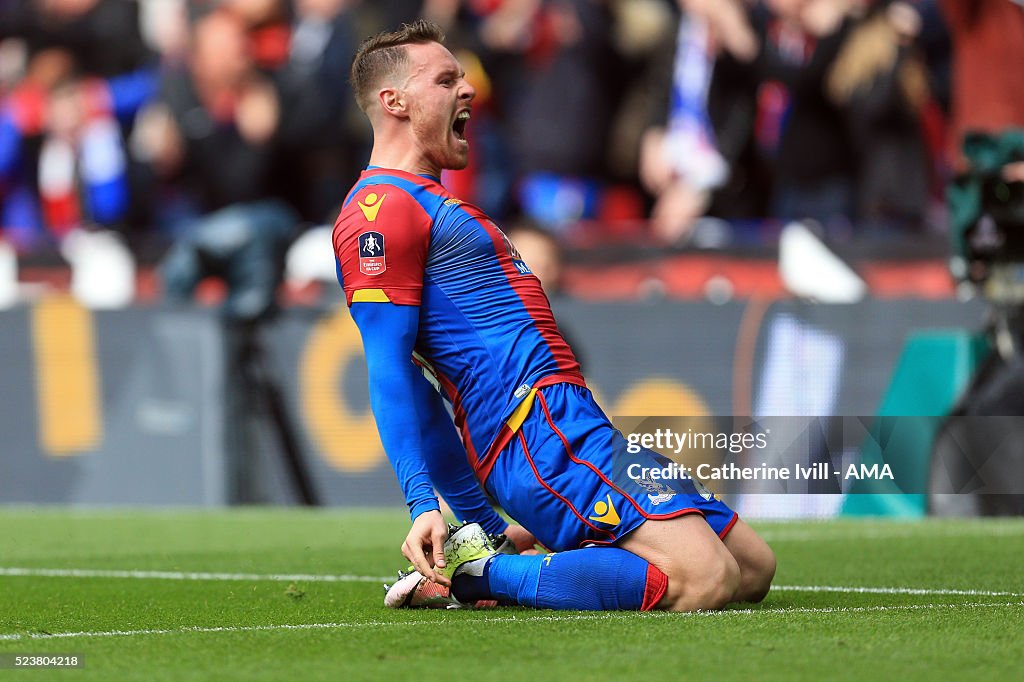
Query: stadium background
column 129, row 407
column 138, row 405
column 149, row 521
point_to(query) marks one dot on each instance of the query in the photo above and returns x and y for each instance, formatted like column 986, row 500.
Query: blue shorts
column 563, row 477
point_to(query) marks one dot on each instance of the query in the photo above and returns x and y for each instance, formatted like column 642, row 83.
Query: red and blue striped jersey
column 487, row 335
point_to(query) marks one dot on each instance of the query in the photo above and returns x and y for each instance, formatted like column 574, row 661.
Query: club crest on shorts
column 657, row 492
column 702, row 490
column 371, row 253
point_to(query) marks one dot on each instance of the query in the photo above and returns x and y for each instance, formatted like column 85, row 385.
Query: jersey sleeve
column 380, row 242
column 389, row 332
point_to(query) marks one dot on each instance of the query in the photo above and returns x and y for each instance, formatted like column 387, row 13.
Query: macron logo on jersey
column 371, row 253
column 372, row 206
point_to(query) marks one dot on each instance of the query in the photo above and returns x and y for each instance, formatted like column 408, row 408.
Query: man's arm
column 451, row 474
column 445, row 457
column 389, row 333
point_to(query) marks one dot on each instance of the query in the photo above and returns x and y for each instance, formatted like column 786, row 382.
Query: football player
column 439, row 293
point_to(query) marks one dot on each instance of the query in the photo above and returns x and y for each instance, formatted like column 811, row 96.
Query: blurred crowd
column 177, row 121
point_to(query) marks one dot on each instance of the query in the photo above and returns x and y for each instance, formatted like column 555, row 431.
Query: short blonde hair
column 383, row 54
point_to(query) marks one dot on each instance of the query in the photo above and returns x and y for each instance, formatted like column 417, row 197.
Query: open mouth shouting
column 459, row 125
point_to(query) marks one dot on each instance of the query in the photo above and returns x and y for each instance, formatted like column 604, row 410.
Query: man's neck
column 401, row 155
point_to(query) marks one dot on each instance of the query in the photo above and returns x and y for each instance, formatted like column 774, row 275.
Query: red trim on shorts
column 600, row 474
column 560, row 378
column 654, row 588
column 526, row 451
column 725, row 531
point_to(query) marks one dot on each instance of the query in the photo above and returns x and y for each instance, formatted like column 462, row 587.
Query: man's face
column 220, row 51
column 439, row 101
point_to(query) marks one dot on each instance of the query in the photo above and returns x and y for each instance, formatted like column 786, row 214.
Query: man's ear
column 392, row 100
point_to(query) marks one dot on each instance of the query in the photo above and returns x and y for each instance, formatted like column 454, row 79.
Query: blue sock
column 591, row 579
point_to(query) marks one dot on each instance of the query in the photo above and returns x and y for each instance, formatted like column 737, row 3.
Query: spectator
column 102, row 36
column 733, row 111
column 681, row 158
column 558, row 101
column 320, row 150
column 214, row 133
column 62, row 158
column 64, row 163
column 881, row 84
column 213, row 129
column 799, row 40
column 988, row 49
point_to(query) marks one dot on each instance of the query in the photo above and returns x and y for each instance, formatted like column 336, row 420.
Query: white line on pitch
column 14, row 637
column 317, row 578
column 893, row 590
column 185, row 575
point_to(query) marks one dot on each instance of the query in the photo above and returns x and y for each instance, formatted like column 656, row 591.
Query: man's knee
column 756, row 561
column 710, row 588
column 758, row 579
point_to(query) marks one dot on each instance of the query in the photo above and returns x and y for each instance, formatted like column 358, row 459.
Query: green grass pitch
column 280, row 594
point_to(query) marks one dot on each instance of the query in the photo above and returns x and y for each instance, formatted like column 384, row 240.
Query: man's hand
column 424, row 545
